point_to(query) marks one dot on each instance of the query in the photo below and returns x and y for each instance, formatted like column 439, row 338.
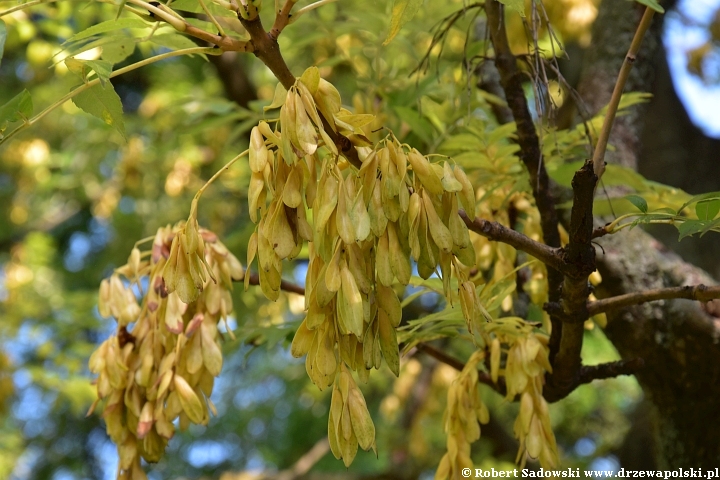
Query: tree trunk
column 678, row 340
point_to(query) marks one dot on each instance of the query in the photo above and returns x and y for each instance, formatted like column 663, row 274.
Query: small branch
column 225, row 43
column 599, row 154
column 441, row 356
column 494, row 231
column 266, row 48
column 701, row 293
column 453, row 362
column 212, row 18
column 511, row 79
column 306, row 462
column 92, row 83
column 282, row 19
column 285, row 286
column 308, row 8
column 588, row 373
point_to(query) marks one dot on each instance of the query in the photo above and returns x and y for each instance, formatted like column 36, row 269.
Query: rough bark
column 678, row 340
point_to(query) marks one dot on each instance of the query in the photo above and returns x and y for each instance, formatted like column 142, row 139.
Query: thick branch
column 494, row 231
column 580, row 254
column 700, row 293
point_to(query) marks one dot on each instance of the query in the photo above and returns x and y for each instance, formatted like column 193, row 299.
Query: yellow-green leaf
column 103, row 103
column 20, row 107
column 652, row 4
column 517, row 5
column 403, row 11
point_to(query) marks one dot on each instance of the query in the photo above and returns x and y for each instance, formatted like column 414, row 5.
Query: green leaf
column 118, row 50
column 708, row 209
column 104, row 103
column 20, row 107
column 173, row 41
column 3, row 36
column 517, row 5
column 652, row 4
column 699, row 198
column 403, row 11
column 689, row 228
column 108, row 26
column 194, row 6
column 102, row 69
column 639, row 202
column 418, row 124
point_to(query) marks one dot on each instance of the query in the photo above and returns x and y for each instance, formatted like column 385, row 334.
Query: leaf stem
column 217, row 174
column 212, row 18
column 307, row 8
column 92, row 83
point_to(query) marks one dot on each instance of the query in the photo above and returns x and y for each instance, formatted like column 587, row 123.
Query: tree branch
column 511, row 80
column 266, row 48
column 580, row 254
column 530, row 152
column 453, row 362
column 282, row 19
column 285, row 286
column 588, row 373
column 494, row 231
column 701, row 293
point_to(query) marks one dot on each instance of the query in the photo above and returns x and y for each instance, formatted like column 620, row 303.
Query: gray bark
column 678, row 340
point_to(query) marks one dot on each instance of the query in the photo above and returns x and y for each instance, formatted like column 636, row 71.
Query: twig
column 92, row 83
column 494, row 231
column 282, row 19
column 441, row 356
column 227, row 44
column 453, row 362
column 266, row 48
column 212, row 18
column 284, row 284
column 701, row 293
column 308, row 8
column 306, row 462
column 599, row 154
column 588, row 373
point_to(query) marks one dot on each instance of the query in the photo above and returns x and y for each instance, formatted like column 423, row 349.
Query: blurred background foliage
column 76, row 196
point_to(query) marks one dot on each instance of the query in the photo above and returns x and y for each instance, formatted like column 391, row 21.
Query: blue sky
column 682, row 34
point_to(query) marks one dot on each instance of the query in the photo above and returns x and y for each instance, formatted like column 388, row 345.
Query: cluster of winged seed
column 464, row 413
column 367, row 224
column 525, row 363
column 349, row 425
column 164, row 367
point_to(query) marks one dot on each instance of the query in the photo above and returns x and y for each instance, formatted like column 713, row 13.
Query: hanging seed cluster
column 464, row 413
column 164, row 367
column 362, row 227
column 525, row 361
column 367, row 225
